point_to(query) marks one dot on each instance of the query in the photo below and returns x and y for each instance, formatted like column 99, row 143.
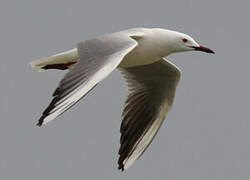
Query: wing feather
column 97, row 58
column 151, row 93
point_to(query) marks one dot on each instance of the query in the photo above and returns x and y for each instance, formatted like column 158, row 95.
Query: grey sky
column 205, row 135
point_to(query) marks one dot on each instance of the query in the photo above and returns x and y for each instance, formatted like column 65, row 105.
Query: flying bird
column 139, row 54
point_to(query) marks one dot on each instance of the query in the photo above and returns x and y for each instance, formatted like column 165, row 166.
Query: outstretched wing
column 152, row 90
column 97, row 58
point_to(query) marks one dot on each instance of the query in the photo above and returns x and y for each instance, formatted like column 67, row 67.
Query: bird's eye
column 184, row 40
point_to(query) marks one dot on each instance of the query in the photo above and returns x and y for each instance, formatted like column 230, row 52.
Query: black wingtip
column 40, row 121
column 46, row 112
column 121, row 167
column 120, row 164
column 58, row 66
column 39, row 124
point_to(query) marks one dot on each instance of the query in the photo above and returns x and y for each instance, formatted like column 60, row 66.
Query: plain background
column 205, row 135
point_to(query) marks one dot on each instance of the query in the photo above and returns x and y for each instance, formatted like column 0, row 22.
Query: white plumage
column 152, row 80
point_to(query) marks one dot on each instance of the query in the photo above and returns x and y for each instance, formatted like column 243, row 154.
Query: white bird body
column 153, row 44
column 139, row 55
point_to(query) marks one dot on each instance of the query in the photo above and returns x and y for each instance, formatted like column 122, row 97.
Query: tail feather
column 61, row 61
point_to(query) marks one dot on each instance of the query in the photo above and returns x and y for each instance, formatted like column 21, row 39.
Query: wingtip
column 121, row 164
column 121, row 167
column 40, row 122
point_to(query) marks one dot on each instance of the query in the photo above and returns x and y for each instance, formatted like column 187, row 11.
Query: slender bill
column 203, row 49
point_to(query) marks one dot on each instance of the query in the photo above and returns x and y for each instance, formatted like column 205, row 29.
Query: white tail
column 68, row 58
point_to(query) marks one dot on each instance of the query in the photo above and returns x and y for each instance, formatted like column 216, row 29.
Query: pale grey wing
column 151, row 94
column 97, row 58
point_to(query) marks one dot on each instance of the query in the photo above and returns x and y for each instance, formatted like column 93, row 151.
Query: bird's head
column 183, row 42
column 179, row 42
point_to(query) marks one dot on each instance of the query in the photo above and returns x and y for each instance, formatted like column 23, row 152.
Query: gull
column 139, row 54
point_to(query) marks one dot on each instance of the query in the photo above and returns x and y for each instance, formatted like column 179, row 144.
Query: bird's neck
column 162, row 40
